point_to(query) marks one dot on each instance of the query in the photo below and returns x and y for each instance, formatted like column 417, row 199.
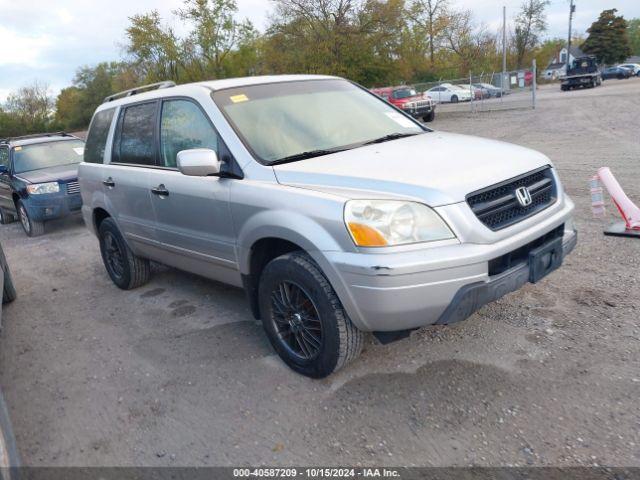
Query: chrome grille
column 73, row 187
column 418, row 104
column 497, row 206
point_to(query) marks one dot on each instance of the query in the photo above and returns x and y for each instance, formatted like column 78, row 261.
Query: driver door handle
column 160, row 190
column 109, row 182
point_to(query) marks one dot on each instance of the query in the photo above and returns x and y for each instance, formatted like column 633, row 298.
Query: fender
column 285, row 225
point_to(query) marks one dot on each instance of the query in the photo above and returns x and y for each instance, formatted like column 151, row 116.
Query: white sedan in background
column 634, row 67
column 449, row 93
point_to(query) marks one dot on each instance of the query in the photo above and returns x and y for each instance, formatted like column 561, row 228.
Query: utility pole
column 504, row 48
column 572, row 9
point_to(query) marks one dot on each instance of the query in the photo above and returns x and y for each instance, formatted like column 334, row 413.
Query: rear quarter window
column 97, row 137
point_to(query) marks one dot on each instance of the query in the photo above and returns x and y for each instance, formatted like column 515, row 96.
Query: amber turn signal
column 365, row 236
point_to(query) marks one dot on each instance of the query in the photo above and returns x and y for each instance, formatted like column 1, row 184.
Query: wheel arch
column 260, row 254
column 278, row 232
column 16, row 198
column 98, row 215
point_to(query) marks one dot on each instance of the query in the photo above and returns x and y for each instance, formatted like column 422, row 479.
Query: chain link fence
column 483, row 92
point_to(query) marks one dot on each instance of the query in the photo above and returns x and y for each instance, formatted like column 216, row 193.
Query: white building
column 557, row 66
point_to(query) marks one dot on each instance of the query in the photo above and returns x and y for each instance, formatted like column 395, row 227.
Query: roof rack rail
column 36, row 135
column 136, row 90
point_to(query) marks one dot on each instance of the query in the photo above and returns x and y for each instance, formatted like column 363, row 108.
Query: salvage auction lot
column 179, row 373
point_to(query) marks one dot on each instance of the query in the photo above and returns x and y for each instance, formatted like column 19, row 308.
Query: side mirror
column 198, row 162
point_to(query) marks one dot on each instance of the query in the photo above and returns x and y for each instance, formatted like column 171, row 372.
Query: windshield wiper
column 306, row 155
column 391, row 136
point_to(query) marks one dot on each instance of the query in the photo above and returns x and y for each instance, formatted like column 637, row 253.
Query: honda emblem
column 523, row 196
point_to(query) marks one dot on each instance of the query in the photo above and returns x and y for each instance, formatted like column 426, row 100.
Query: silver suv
column 336, row 212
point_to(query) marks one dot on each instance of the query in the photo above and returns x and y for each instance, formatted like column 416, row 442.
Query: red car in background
column 418, row 105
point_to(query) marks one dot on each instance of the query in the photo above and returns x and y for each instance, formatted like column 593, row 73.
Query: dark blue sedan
column 616, row 72
column 39, row 179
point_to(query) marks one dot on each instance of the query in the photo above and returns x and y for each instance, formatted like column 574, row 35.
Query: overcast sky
column 48, row 41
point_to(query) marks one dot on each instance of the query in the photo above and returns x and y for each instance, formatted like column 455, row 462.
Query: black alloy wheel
column 296, row 321
column 114, row 256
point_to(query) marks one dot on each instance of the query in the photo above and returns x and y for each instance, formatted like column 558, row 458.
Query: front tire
column 429, row 117
column 32, row 228
column 454, row 99
column 304, row 319
column 125, row 269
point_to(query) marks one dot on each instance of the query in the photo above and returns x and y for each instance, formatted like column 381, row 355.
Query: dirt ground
column 178, row 372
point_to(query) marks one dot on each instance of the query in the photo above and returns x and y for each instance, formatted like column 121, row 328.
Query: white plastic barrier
column 629, row 210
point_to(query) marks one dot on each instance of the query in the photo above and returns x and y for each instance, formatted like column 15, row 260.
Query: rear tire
column 32, row 228
column 304, row 319
column 125, row 269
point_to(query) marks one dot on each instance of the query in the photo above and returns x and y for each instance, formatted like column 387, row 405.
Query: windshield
column 45, row 155
column 281, row 120
column 405, row 93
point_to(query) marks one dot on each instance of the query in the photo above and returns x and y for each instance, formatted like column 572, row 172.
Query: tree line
column 373, row 42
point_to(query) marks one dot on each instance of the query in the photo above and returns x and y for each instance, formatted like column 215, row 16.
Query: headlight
column 38, row 188
column 381, row 223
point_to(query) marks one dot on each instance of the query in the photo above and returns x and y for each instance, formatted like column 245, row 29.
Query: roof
column 211, row 85
column 577, row 52
column 39, row 138
column 555, row 66
column 390, row 89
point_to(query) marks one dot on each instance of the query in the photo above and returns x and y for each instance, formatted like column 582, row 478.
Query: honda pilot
column 336, row 212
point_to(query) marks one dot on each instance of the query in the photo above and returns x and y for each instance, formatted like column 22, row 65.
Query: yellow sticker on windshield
column 17, row 149
column 239, row 98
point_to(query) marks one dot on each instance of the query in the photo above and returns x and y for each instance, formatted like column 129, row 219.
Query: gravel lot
column 178, row 372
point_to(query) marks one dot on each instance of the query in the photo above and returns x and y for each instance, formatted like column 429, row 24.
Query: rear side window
column 184, row 126
column 136, row 139
column 4, row 157
column 97, row 137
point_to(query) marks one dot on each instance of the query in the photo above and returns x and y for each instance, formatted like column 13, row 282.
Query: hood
column 60, row 173
column 436, row 168
column 415, row 98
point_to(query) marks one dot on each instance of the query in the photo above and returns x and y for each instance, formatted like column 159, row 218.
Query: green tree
column 68, row 108
column 212, row 48
column 633, row 31
column 530, row 23
column 362, row 40
column 75, row 105
column 216, row 33
column 432, row 17
column 10, row 126
column 471, row 48
column 608, row 39
column 155, row 49
column 31, row 108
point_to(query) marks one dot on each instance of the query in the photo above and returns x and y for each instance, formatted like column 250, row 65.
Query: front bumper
column 385, row 292
column 419, row 112
column 472, row 297
column 52, row 206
